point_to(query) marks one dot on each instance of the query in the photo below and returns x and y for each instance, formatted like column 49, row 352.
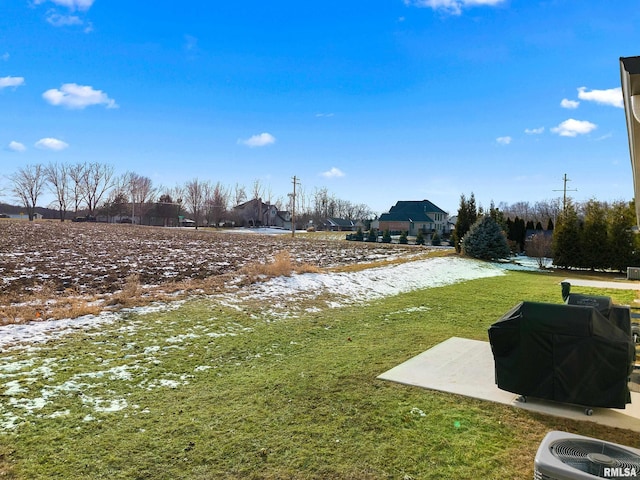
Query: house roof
column 340, row 222
column 411, row 211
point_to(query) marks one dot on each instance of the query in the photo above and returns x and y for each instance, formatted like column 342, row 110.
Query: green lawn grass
column 207, row 392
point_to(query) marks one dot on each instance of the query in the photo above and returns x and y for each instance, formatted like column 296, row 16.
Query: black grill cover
column 565, row 353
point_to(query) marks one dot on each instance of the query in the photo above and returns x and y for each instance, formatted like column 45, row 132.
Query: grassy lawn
column 209, row 392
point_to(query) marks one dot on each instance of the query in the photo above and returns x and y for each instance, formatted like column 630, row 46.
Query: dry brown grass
column 280, row 266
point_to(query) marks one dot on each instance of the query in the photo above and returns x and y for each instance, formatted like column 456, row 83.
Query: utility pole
column 564, row 198
column 293, row 206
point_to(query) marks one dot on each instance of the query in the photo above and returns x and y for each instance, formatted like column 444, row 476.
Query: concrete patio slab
column 466, row 367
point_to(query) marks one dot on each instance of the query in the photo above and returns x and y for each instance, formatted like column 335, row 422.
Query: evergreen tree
column 467, row 215
column 566, row 238
column 386, row 236
column 485, row 240
column 497, row 215
column 538, row 226
column 403, row 238
column 521, row 233
column 359, row 235
column 373, row 235
column 622, row 241
column 530, row 225
column 594, row 254
column 550, row 225
column 420, row 238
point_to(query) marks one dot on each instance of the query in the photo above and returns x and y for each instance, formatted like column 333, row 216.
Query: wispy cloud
column 51, row 144
column 320, row 115
column 333, row 173
column 74, row 96
column 260, row 140
column 573, row 128
column 570, row 104
column 58, row 20
column 453, row 7
column 16, row 146
column 6, row 82
column 534, row 131
column 611, row 96
column 504, row 140
column 5, row 56
column 72, row 5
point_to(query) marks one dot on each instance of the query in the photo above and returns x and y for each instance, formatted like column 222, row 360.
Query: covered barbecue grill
column 572, row 353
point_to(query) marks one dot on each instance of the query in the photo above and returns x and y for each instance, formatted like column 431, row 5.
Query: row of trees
column 592, row 235
column 599, row 238
column 94, row 188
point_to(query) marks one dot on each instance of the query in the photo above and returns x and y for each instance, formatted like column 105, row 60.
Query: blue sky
column 378, row 101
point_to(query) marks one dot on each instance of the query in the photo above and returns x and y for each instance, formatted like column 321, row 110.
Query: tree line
column 591, row 235
column 94, row 188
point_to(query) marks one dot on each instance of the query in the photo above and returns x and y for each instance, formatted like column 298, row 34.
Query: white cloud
column 259, row 140
column 504, row 140
column 573, row 128
column 333, row 173
column 534, row 131
column 319, row 115
column 58, row 20
column 453, row 7
column 72, row 95
column 51, row 144
column 570, row 104
column 11, row 82
column 16, row 146
column 70, row 4
column 611, row 96
column 5, row 56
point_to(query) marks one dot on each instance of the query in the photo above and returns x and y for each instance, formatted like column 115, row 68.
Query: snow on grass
column 37, row 386
column 282, row 293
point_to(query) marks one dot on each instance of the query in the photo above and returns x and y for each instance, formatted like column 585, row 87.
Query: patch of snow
column 374, row 283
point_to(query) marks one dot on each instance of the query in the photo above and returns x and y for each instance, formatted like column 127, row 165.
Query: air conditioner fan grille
column 593, row 456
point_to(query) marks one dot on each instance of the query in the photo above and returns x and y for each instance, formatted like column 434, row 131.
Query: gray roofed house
column 412, row 216
column 339, row 224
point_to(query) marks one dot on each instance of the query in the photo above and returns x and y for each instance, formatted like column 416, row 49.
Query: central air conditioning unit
column 566, row 456
column 633, row 273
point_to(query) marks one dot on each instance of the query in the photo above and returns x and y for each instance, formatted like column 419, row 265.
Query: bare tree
column 77, row 182
column 258, row 190
column 98, row 179
column 219, row 202
column 194, row 198
column 539, row 247
column 140, row 189
column 239, row 194
column 58, row 177
column 27, row 185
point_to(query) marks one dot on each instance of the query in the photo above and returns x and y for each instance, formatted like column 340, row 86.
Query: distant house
column 413, row 216
column 256, row 213
column 23, row 216
column 339, row 225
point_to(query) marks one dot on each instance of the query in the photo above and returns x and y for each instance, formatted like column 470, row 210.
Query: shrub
column 359, row 235
column 436, row 240
column 403, row 238
column 419, row 238
column 386, row 237
column 373, row 235
column 485, row 240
